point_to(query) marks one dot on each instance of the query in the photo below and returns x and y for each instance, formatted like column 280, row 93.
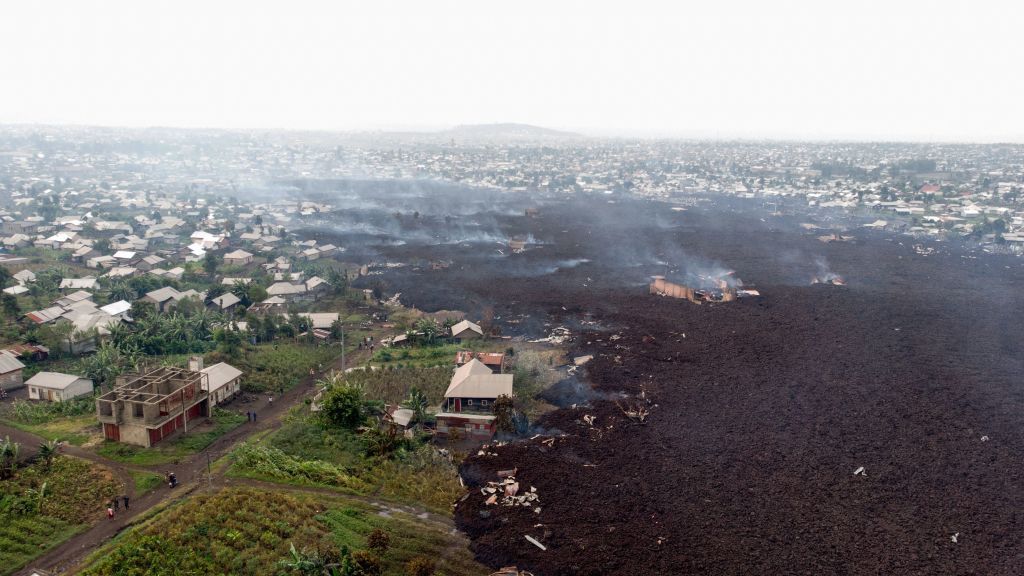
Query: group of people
column 114, row 505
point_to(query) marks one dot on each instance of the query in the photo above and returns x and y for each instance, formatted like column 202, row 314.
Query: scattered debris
column 860, row 472
column 955, row 538
column 589, row 419
column 984, row 438
column 581, row 360
column 534, row 541
column 511, row 571
column 508, row 491
column 558, row 335
column 635, row 411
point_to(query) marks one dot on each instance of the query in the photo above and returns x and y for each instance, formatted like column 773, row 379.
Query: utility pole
column 342, row 347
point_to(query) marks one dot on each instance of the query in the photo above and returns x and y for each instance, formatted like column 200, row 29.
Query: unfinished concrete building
column 143, row 409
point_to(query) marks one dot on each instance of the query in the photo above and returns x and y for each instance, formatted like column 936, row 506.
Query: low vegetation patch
column 251, row 531
column 46, row 503
column 274, row 367
column 145, row 481
column 304, row 452
column 392, row 385
column 431, row 355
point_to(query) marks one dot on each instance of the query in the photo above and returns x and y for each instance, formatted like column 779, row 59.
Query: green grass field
column 304, row 453
column 42, row 506
column 25, row 538
column 145, row 481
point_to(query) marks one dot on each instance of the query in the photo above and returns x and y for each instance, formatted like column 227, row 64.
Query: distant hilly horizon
column 518, row 131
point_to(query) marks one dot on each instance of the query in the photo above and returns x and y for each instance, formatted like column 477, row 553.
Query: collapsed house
column 723, row 288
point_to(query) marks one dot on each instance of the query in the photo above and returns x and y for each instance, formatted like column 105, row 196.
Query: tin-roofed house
column 238, row 258
column 223, row 382
column 10, row 371
column 469, row 401
column 57, row 387
column 467, row 330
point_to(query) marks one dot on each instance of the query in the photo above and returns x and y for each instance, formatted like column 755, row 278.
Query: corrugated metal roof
column 475, row 380
column 220, row 374
column 56, row 380
column 8, row 363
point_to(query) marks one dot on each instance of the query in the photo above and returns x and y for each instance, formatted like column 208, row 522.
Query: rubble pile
column 505, row 492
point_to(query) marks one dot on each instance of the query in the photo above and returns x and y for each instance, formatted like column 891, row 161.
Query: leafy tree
column 142, row 309
column 343, row 407
column 210, row 263
column 256, row 293
column 214, row 291
column 10, row 306
column 229, row 341
column 382, row 443
column 504, row 411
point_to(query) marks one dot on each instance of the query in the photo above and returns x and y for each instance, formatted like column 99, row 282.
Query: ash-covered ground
column 760, row 410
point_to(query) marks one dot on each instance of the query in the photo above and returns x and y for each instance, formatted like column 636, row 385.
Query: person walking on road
column 125, row 499
column 110, row 510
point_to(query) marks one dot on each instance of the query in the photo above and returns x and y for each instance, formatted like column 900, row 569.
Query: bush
column 420, row 566
column 272, row 462
column 27, row 412
column 343, row 407
column 379, row 541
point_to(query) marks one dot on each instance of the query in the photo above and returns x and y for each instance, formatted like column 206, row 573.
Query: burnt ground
column 762, row 412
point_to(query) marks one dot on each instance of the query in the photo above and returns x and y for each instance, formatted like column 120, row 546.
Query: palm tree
column 121, row 291
column 241, row 290
column 417, row 402
column 332, row 380
column 48, row 451
column 428, row 329
column 9, row 452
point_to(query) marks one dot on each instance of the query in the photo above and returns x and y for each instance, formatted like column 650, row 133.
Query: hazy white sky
column 824, row 68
